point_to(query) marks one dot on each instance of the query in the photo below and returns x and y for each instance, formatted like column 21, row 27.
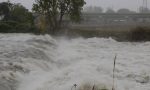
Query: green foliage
column 54, row 10
column 17, row 18
column 11, row 23
column 14, row 27
column 5, row 28
column 22, row 28
column 75, row 10
column 20, row 14
column 5, row 9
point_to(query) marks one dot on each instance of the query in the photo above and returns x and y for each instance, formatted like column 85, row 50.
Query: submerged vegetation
column 88, row 86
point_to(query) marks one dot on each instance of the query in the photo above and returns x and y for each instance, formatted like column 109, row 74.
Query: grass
column 115, row 33
column 124, row 33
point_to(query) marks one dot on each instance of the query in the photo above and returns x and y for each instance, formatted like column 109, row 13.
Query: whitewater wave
column 30, row 62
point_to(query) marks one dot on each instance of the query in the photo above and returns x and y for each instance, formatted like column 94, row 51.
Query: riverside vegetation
column 15, row 18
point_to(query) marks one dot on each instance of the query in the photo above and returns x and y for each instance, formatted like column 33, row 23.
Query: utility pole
column 146, row 3
column 144, row 6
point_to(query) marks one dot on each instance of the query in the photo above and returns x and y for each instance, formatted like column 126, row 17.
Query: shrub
column 140, row 34
column 11, row 23
column 14, row 27
column 5, row 28
column 22, row 28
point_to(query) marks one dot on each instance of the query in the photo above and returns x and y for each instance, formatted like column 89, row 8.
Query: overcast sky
column 115, row 4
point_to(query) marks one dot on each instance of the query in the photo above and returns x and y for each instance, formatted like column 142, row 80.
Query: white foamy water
column 29, row 62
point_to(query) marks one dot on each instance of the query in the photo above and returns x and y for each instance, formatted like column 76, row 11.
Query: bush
column 140, row 34
column 14, row 27
column 11, row 23
column 5, row 28
column 22, row 28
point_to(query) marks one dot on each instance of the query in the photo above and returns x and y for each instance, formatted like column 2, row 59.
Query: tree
column 110, row 10
column 15, row 18
column 123, row 10
column 95, row 9
column 54, row 11
column 15, row 12
column 5, row 9
column 20, row 14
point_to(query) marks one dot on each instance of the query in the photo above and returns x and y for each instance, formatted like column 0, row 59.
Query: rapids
column 30, row 62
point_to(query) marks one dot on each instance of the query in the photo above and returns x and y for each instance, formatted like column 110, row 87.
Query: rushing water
column 29, row 62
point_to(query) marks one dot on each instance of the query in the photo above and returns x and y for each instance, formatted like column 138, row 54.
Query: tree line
column 47, row 15
column 98, row 9
column 16, row 18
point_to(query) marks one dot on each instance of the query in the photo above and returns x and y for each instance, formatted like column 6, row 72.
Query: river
column 30, row 62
